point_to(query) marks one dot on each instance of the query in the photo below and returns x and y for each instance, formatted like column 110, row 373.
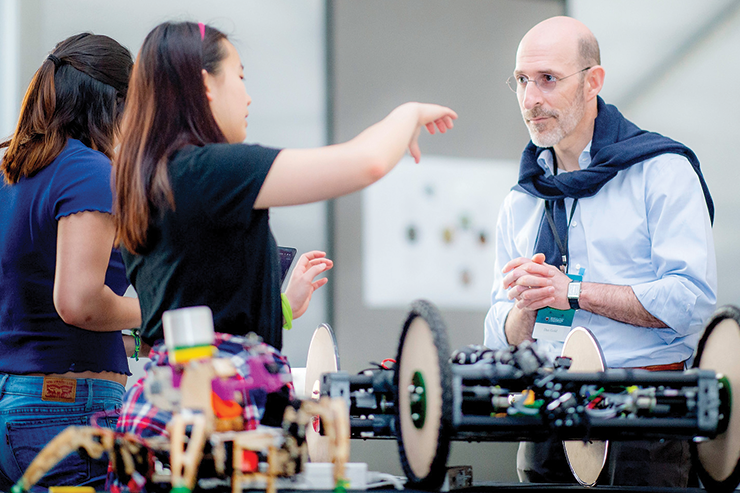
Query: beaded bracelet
column 137, row 343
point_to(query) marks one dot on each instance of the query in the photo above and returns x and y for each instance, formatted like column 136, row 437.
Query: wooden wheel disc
column 718, row 460
column 323, row 357
column 423, row 380
column 586, row 459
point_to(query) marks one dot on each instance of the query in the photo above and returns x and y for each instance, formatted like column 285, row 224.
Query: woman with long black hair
column 192, row 201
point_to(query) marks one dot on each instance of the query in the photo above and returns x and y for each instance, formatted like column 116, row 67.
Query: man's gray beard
column 566, row 122
column 548, row 139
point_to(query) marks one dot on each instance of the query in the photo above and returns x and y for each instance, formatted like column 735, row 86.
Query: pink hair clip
column 202, row 31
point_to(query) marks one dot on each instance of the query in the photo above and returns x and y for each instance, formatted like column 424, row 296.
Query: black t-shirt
column 214, row 249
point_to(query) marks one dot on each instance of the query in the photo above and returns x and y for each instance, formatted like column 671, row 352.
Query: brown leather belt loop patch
column 57, row 389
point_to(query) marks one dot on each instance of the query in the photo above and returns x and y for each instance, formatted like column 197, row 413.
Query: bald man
column 610, row 226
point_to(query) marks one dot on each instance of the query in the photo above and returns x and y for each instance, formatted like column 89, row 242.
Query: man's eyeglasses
column 545, row 82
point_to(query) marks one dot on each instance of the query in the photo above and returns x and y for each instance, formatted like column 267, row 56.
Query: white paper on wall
column 429, row 231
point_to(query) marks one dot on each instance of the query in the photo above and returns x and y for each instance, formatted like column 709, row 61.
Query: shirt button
column 574, row 224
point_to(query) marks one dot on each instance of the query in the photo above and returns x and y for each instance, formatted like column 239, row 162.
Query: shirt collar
column 545, row 159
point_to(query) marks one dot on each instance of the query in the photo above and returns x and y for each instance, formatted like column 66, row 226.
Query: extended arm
column 84, row 243
column 301, row 176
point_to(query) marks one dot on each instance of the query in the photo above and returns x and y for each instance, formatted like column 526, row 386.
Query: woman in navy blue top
column 62, row 356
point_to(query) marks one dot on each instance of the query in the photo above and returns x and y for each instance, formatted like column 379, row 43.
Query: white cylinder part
column 188, row 327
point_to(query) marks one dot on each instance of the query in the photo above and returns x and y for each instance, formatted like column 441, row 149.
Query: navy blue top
column 33, row 338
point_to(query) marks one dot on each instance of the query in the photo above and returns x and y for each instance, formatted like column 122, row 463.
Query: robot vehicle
column 432, row 396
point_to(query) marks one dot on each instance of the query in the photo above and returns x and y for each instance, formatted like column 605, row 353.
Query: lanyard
column 562, row 246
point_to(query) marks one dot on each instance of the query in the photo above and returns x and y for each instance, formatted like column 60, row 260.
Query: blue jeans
column 28, row 423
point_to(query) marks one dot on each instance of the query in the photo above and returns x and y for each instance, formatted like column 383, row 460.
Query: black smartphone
column 287, row 254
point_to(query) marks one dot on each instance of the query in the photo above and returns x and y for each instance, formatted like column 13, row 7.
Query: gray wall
column 384, row 53
column 668, row 64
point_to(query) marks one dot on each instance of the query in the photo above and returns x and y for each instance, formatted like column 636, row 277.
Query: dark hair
column 78, row 92
column 167, row 110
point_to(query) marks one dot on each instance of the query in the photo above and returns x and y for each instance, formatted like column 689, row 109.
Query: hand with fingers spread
column 302, row 285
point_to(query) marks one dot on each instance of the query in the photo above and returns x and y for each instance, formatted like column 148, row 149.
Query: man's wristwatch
column 574, row 294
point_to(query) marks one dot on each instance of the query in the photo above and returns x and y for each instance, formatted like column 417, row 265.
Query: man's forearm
column 519, row 325
column 618, row 303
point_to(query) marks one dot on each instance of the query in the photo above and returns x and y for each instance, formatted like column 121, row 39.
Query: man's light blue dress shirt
column 647, row 228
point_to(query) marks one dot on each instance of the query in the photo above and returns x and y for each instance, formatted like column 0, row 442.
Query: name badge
column 552, row 324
